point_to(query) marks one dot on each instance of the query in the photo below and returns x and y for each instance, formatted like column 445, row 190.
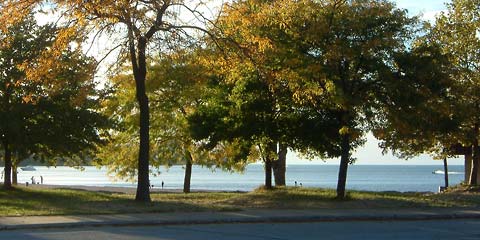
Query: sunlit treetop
column 127, row 22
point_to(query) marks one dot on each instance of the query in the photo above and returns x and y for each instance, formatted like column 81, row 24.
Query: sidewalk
column 249, row 216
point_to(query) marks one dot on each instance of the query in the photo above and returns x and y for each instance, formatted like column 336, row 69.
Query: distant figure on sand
column 41, row 179
column 295, row 183
column 33, row 179
column 163, row 184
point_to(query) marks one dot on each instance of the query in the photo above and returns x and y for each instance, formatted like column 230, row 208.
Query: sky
column 427, row 7
column 370, row 153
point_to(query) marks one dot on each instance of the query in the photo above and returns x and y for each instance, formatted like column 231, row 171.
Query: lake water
column 401, row 178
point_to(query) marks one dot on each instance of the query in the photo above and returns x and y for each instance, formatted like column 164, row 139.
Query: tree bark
column 268, row 172
column 140, row 73
column 344, row 161
column 268, row 159
column 14, row 174
column 475, row 158
column 188, row 173
column 445, row 169
column 280, row 166
column 7, row 182
column 468, row 167
column 478, row 173
column 475, row 162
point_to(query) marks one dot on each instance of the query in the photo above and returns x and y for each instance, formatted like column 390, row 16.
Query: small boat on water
column 28, row 168
column 443, row 172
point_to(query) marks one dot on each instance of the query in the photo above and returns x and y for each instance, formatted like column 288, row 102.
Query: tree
column 15, row 50
column 176, row 86
column 349, row 47
column 238, row 115
column 255, row 82
column 140, row 23
column 45, row 117
column 419, row 109
column 179, row 85
column 456, row 32
column 419, row 114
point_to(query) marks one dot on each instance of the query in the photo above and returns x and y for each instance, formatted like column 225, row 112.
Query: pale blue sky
column 421, row 5
column 371, row 153
column 428, row 8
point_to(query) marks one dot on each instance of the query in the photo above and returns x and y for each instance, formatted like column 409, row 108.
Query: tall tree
column 139, row 23
column 349, row 49
column 419, row 111
column 241, row 115
column 256, row 83
column 50, row 116
column 23, row 42
column 176, row 87
column 456, row 32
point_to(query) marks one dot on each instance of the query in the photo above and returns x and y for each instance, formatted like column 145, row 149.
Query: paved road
column 451, row 229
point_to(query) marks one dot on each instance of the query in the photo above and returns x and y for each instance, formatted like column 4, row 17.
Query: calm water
column 360, row 177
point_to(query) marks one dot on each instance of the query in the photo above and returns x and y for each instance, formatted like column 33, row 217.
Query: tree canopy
column 137, row 24
column 46, row 117
column 176, row 87
column 262, row 77
column 311, row 64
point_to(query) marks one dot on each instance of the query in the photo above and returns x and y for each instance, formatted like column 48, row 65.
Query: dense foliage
column 264, row 77
column 46, row 118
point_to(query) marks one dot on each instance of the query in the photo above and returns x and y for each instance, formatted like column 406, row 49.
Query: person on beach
column 33, row 180
column 41, row 179
column 162, row 184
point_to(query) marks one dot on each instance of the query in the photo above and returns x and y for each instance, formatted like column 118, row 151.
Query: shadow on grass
column 98, row 191
column 22, row 201
column 25, row 201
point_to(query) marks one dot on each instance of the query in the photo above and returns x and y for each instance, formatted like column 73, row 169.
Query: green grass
column 28, row 201
column 314, row 198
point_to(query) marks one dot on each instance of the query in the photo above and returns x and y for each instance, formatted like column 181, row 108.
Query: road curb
column 266, row 219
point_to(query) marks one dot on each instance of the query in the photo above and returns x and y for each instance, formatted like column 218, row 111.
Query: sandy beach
column 124, row 190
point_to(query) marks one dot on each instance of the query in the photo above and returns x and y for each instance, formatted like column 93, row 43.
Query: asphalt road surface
column 451, row 229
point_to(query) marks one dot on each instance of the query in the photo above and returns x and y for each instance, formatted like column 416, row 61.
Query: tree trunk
column 475, row 158
column 14, row 174
column 270, row 152
column 280, row 166
column 478, row 173
column 7, row 182
column 344, row 161
column 475, row 162
column 445, row 169
column 268, row 172
column 143, row 187
column 188, row 173
column 140, row 73
column 468, row 167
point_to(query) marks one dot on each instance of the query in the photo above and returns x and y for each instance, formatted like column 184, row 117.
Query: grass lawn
column 28, row 201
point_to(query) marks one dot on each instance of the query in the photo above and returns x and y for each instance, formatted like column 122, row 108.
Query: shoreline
column 122, row 190
column 132, row 190
column 364, row 178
